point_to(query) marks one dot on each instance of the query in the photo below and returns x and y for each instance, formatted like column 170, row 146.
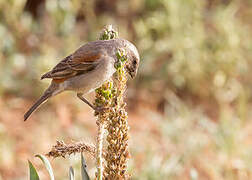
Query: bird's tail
column 42, row 99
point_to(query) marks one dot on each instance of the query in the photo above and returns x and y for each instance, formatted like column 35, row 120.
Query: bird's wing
column 80, row 62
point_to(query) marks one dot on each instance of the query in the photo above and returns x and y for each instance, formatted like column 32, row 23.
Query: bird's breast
column 91, row 80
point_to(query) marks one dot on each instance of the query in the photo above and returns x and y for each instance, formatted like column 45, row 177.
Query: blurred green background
column 189, row 107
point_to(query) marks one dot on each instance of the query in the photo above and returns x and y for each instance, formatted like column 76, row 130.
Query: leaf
column 71, row 173
column 84, row 173
column 33, row 172
column 47, row 165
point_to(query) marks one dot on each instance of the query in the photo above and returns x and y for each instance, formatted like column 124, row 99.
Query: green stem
column 103, row 100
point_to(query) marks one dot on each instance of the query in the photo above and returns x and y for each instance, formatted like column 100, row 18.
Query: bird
column 87, row 69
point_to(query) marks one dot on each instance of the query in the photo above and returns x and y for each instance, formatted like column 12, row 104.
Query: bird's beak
column 132, row 71
column 132, row 74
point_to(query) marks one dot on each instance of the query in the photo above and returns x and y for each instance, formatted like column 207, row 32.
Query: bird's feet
column 100, row 109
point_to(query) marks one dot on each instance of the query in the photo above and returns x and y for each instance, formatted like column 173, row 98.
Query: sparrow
column 87, row 69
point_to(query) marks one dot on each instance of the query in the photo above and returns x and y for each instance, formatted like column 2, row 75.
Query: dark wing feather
column 78, row 63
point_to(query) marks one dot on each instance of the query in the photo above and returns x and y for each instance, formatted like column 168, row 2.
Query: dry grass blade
column 61, row 149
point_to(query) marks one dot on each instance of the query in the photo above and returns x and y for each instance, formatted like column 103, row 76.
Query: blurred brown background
column 189, row 107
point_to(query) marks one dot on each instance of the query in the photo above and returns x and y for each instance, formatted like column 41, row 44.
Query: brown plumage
column 87, row 68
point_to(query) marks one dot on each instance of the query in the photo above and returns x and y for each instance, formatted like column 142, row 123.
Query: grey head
column 132, row 56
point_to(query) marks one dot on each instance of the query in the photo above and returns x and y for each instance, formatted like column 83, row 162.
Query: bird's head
column 133, row 59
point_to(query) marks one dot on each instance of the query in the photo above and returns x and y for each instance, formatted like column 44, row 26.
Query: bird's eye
column 134, row 62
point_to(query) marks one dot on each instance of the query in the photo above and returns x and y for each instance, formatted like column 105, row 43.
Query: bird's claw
column 100, row 109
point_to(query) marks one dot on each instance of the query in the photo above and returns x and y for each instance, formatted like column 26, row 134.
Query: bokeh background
column 189, row 107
